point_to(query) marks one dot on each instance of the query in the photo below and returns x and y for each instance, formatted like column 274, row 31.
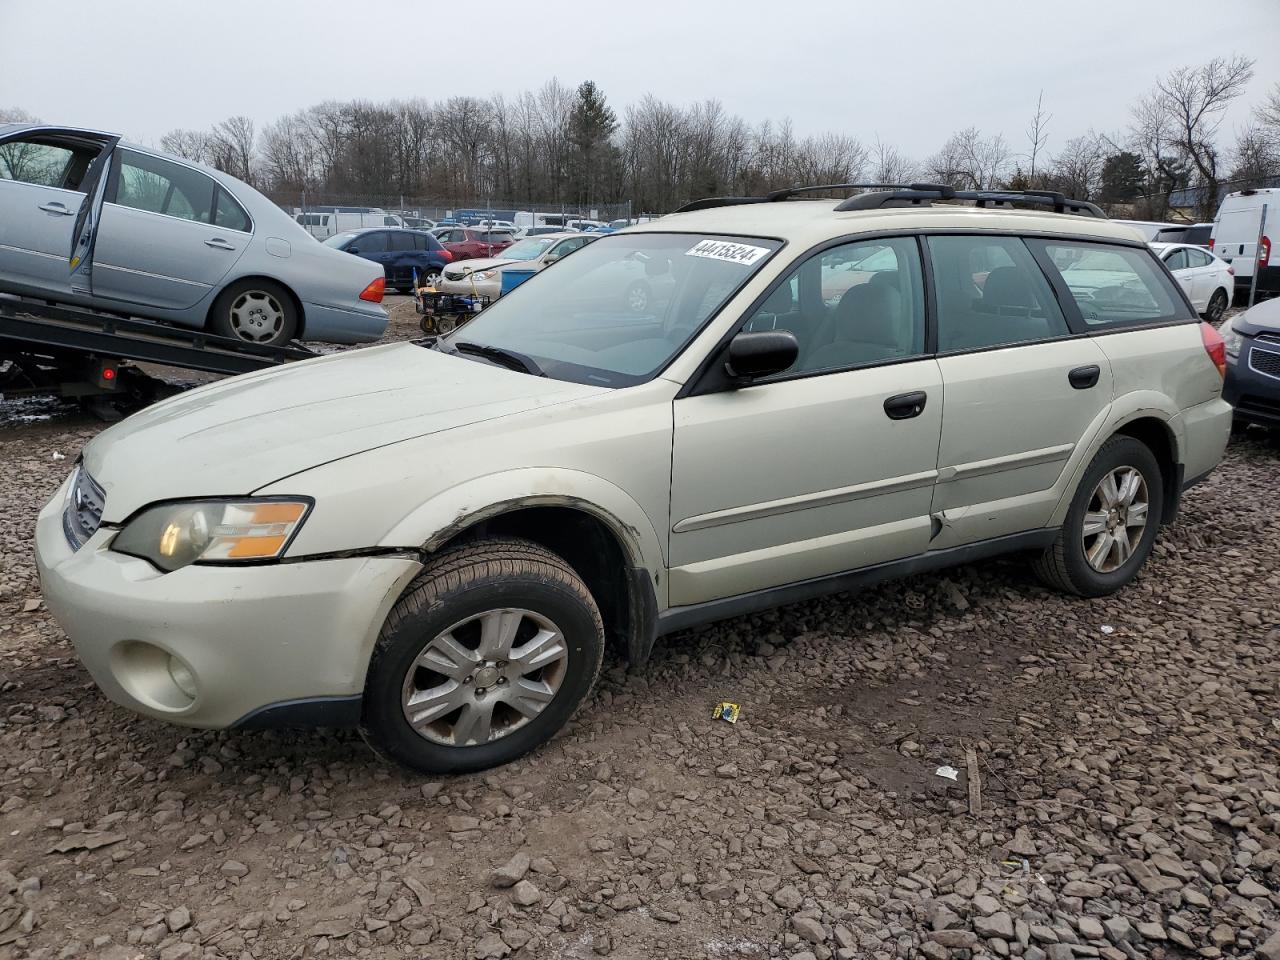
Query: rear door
column 1235, row 233
column 1180, row 266
column 402, row 256
column 1204, row 275
column 42, row 170
column 1022, row 391
column 160, row 243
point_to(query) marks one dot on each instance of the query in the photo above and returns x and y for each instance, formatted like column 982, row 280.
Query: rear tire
column 1082, row 560
column 438, row 658
column 1217, row 306
column 260, row 312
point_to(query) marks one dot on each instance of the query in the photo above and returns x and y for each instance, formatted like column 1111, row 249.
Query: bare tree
column 189, row 144
column 1076, row 170
column 17, row 115
column 970, row 161
column 231, row 147
column 890, row 165
column 1037, row 136
column 1182, row 115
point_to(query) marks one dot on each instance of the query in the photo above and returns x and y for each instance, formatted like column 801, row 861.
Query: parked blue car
column 400, row 251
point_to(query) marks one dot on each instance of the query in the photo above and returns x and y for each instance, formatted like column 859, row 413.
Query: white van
column 324, row 224
column 1235, row 237
column 525, row 218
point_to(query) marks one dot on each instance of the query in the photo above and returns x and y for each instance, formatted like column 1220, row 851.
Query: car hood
column 236, row 436
column 1263, row 317
column 482, row 263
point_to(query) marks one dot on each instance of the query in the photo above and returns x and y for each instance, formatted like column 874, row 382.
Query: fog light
column 182, row 677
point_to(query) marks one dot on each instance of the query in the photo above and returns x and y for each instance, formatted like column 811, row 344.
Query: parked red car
column 465, row 243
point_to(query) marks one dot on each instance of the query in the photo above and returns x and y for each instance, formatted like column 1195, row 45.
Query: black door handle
column 904, row 406
column 1082, row 378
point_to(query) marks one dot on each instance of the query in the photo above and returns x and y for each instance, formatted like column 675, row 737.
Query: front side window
column 855, row 304
column 1113, row 284
column 375, row 242
column 991, row 293
column 41, row 164
column 158, row 186
column 618, row 310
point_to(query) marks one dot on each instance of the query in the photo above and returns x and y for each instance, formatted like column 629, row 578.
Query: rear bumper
column 1268, row 281
column 1254, row 396
column 340, row 325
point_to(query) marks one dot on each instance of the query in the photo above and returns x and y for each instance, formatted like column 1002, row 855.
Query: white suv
column 435, row 540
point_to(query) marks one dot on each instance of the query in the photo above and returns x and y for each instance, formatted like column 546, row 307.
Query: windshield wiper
column 508, row 358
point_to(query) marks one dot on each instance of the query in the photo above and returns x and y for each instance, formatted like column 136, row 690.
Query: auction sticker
column 742, row 253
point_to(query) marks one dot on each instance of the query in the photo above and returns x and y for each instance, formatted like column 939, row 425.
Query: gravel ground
column 1128, row 751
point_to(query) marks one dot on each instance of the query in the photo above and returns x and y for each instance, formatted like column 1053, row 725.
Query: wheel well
column 1157, row 438
column 586, row 543
column 293, row 297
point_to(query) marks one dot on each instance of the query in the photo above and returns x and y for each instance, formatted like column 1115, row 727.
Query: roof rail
column 774, row 196
column 925, row 194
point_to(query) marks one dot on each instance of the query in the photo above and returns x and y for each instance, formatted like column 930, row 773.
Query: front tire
column 260, row 312
column 485, row 656
column 1111, row 525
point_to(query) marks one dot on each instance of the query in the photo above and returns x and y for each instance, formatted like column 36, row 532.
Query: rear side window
column 1114, row 285
column 1176, row 260
column 991, row 293
column 401, row 240
column 1198, row 258
column 227, row 213
column 158, row 186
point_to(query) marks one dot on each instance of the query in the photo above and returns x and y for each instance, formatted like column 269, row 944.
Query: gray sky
column 910, row 72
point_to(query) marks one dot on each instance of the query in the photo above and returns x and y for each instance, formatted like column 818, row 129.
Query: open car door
column 88, row 218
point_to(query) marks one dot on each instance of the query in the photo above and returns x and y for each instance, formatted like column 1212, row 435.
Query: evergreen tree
column 591, row 127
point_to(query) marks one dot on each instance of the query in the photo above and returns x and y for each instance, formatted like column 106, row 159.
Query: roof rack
column 925, row 193
column 913, row 194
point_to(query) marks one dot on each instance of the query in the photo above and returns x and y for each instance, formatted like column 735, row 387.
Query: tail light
column 1214, row 347
column 1211, row 243
column 1264, row 251
column 374, row 291
column 445, row 255
column 1231, row 270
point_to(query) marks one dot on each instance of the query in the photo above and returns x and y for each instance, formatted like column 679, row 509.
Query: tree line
column 558, row 145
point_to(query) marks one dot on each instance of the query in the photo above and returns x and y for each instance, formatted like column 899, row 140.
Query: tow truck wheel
column 255, row 311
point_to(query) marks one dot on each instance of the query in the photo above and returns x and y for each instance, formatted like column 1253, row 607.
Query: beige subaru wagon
column 436, row 540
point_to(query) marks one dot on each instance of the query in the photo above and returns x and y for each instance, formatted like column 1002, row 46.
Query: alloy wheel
column 257, row 317
column 484, row 677
column 1116, row 519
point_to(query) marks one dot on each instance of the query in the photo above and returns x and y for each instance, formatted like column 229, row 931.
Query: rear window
column 1114, row 286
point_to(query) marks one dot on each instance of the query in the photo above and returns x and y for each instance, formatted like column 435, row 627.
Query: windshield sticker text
column 742, row 253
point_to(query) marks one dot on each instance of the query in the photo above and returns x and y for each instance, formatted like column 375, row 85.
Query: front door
column 828, row 466
column 41, row 191
column 160, row 242
column 1022, row 393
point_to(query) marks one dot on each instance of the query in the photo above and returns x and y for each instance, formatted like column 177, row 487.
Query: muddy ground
column 1128, row 751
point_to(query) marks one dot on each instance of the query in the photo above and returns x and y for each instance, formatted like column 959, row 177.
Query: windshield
column 618, row 310
column 526, row 249
column 340, row 239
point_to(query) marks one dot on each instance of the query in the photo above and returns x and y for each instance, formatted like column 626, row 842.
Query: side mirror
column 760, row 354
column 353, row 249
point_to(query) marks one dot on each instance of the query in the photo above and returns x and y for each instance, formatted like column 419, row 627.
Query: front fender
column 436, row 521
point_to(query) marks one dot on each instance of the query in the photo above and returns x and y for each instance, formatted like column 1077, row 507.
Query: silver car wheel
column 485, row 677
column 256, row 316
column 429, row 279
column 1115, row 520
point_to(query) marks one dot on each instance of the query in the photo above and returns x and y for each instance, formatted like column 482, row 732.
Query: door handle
column 54, row 206
column 904, row 406
column 1082, row 378
column 219, row 243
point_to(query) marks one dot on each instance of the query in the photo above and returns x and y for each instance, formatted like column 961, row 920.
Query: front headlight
column 173, row 535
column 483, row 275
column 1232, row 340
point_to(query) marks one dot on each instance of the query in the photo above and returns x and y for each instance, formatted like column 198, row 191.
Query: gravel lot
column 1128, row 752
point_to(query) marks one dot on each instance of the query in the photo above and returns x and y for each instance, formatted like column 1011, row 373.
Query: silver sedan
column 166, row 239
